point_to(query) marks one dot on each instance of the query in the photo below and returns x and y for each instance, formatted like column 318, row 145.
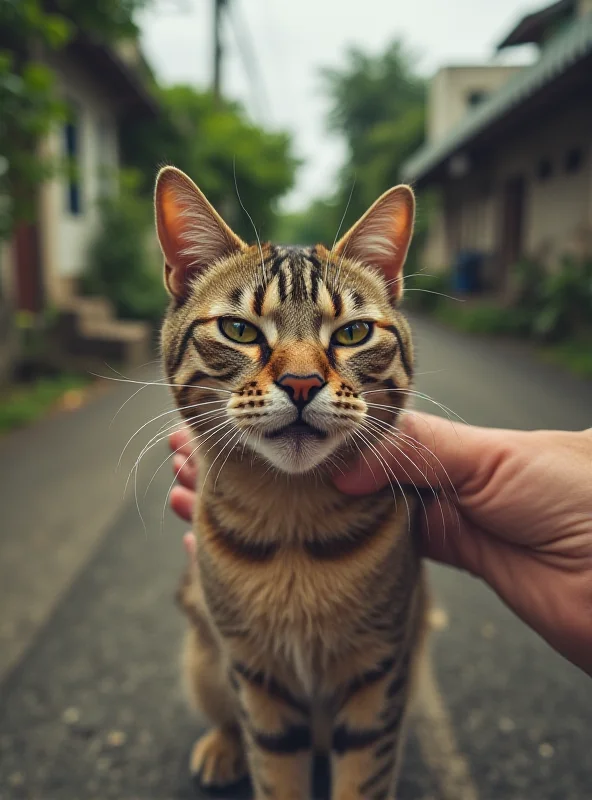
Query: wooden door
column 512, row 228
column 29, row 276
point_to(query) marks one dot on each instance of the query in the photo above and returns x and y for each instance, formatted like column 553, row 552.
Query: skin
column 515, row 510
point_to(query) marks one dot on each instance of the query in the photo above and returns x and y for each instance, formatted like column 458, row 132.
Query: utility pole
column 218, row 9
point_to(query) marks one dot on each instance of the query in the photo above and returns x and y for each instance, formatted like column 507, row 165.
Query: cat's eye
column 239, row 331
column 351, row 334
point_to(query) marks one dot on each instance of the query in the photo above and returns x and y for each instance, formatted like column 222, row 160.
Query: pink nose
column 301, row 388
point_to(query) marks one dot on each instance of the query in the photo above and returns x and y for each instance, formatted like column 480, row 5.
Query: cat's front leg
column 277, row 734
column 368, row 734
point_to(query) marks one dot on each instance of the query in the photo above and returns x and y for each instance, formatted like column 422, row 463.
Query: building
column 103, row 89
column 509, row 152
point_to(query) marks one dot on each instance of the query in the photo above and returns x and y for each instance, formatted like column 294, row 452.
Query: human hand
column 515, row 510
column 182, row 497
column 517, row 513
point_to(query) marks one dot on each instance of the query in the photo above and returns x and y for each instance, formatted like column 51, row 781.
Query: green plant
column 486, row 319
column 29, row 102
column 121, row 265
column 576, row 355
column 215, row 143
column 426, row 292
column 565, row 307
column 527, row 279
column 22, row 405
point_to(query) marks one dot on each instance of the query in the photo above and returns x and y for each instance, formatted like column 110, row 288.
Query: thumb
column 424, row 451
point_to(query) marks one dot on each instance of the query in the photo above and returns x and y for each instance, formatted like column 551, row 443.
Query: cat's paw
column 218, row 760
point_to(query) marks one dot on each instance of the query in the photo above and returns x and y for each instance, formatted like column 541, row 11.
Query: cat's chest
column 302, row 599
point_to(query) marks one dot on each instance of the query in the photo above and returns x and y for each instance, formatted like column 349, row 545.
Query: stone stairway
column 89, row 334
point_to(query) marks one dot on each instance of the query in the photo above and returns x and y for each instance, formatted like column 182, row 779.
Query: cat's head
column 284, row 351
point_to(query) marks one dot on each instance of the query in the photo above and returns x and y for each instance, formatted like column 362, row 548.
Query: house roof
column 532, row 28
column 564, row 51
column 121, row 78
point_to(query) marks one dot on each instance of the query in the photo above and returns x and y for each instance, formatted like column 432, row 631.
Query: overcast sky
column 292, row 39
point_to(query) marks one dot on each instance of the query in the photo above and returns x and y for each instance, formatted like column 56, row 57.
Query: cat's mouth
column 297, row 430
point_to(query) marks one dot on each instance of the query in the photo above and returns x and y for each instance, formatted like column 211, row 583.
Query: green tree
column 29, row 103
column 215, row 143
column 377, row 105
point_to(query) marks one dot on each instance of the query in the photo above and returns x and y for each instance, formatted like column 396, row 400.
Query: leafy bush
column 576, row 355
column 566, row 301
column 121, row 265
column 485, row 319
column 426, row 292
column 21, row 405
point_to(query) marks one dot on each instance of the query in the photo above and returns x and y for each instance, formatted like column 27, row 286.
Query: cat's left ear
column 191, row 233
column 382, row 236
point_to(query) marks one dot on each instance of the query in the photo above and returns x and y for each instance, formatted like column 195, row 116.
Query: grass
column 483, row 318
column 23, row 404
column 576, row 355
column 477, row 316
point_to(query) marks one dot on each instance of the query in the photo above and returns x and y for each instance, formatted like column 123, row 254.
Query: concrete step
column 89, row 335
column 95, row 309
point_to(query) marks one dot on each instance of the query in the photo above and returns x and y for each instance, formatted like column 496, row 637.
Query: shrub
column 121, row 265
column 424, row 292
column 486, row 319
column 566, row 301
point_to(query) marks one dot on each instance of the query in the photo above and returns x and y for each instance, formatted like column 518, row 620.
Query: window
column 544, row 169
column 573, row 159
column 105, row 158
column 72, row 151
column 476, row 96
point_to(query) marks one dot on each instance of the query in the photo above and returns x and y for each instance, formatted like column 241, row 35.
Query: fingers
column 183, row 463
column 185, row 471
column 427, row 451
column 180, row 442
column 182, row 501
column 190, row 545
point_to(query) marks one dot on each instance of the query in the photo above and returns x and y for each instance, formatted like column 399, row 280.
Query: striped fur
column 306, row 606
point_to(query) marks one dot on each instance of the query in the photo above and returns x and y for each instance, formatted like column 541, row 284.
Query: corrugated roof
column 531, row 28
column 567, row 48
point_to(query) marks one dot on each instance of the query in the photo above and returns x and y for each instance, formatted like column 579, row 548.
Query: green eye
column 354, row 333
column 238, row 330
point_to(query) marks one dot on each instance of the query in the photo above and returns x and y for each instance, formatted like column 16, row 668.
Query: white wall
column 450, row 90
column 557, row 210
column 66, row 235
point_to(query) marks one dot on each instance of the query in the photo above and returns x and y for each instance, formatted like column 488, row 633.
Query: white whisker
column 414, row 393
column 326, row 271
column 390, row 439
column 189, row 457
column 159, row 416
column 161, row 384
column 388, row 466
column 250, row 220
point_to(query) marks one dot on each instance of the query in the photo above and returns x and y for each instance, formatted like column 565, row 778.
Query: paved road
column 90, row 702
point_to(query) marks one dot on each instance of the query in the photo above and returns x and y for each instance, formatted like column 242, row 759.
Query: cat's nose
column 301, row 388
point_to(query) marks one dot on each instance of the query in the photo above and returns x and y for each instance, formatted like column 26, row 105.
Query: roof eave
column 529, row 29
column 487, row 119
column 132, row 93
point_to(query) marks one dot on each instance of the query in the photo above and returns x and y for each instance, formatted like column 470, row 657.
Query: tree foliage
column 29, row 103
column 377, row 105
column 228, row 156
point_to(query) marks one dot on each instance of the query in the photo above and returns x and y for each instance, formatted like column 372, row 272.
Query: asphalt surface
column 91, row 705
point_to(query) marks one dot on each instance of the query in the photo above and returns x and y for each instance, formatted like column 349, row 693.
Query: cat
column 307, row 607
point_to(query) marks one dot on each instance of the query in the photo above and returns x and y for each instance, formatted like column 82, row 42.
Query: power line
column 219, row 6
column 250, row 61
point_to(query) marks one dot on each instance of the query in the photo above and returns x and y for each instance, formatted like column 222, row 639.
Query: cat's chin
column 296, row 452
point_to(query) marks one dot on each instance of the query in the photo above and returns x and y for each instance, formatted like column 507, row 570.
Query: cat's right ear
column 191, row 233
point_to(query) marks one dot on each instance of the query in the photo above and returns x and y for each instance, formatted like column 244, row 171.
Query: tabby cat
column 306, row 606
